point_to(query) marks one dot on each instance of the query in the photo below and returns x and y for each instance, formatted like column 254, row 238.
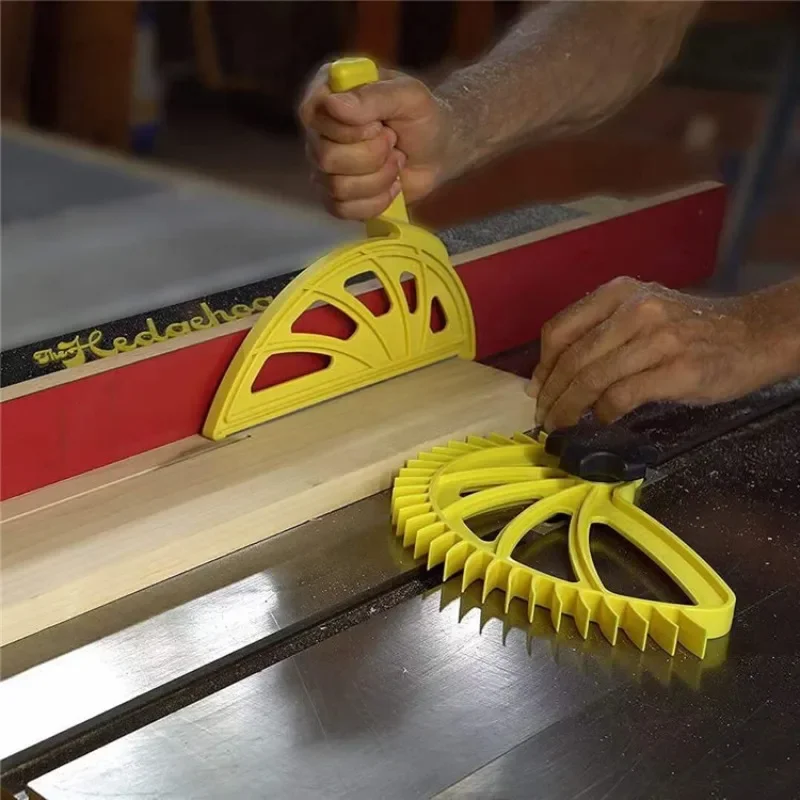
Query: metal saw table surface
column 341, row 671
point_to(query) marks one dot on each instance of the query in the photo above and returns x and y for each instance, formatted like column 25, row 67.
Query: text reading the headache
column 93, row 345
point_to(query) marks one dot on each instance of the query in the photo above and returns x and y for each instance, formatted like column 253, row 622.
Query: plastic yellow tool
column 437, row 494
column 382, row 346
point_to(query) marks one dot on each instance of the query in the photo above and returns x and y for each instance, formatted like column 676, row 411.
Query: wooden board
column 97, row 479
column 77, row 554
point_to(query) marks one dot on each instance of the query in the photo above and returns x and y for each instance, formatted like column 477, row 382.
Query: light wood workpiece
column 75, row 555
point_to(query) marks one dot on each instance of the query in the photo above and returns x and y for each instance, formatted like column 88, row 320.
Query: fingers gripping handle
column 349, row 73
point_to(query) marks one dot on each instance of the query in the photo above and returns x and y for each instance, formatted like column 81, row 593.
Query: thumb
column 396, row 98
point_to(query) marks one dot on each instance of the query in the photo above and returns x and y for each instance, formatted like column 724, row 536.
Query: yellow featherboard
column 436, row 495
column 381, row 347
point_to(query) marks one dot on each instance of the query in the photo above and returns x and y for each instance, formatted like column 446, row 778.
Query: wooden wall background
column 68, row 67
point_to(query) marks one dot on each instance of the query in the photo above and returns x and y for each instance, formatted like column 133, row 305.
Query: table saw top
column 365, row 679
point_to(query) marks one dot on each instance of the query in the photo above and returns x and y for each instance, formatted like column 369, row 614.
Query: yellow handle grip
column 350, row 73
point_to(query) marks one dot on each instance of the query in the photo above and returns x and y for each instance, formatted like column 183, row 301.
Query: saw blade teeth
column 415, row 525
column 519, row 583
column 692, row 636
column 440, row 547
column 456, row 558
column 635, row 626
column 426, row 535
column 475, row 568
column 496, row 578
column 608, row 620
column 663, row 631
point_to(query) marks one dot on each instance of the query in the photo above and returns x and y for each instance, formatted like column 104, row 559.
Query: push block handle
column 350, row 73
column 606, row 454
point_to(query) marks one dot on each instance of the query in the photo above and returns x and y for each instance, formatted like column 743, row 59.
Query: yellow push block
column 381, row 346
column 436, row 495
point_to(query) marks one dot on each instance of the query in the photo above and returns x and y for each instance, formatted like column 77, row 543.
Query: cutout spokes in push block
column 438, row 496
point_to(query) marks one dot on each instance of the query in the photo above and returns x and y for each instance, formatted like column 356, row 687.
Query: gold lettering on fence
column 78, row 351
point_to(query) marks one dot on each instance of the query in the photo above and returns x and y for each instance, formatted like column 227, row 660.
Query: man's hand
column 631, row 343
column 562, row 68
column 368, row 143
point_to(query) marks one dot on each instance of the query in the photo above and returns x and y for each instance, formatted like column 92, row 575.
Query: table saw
column 326, row 660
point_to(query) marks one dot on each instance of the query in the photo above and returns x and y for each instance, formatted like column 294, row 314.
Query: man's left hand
column 630, row 343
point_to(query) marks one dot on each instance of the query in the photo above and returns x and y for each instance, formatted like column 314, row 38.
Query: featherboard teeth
column 438, row 494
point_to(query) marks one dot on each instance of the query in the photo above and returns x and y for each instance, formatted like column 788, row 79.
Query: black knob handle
column 606, row 454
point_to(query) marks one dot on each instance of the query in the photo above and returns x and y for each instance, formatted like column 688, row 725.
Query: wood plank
column 96, row 479
column 79, row 554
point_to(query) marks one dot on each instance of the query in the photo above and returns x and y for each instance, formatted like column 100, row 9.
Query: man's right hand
column 367, row 144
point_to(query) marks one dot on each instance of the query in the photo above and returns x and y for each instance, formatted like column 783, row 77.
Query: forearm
column 564, row 67
column 775, row 316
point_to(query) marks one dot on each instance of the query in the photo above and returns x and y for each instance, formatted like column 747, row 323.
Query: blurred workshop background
column 211, row 86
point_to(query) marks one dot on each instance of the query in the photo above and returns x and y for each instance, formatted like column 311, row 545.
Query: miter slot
column 215, row 675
